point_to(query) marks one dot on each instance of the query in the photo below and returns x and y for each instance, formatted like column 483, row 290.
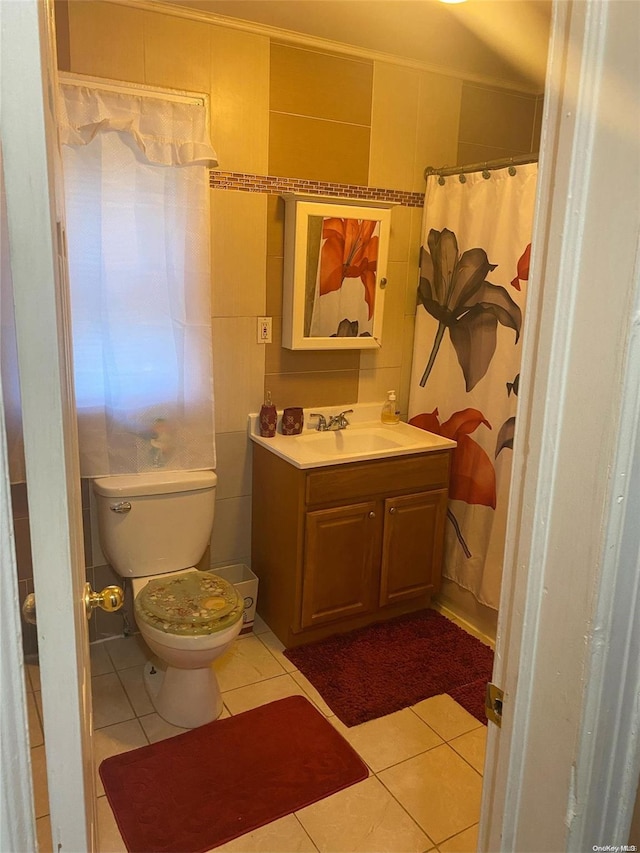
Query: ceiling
column 503, row 40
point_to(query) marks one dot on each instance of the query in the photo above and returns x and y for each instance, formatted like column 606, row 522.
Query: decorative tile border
column 248, row 183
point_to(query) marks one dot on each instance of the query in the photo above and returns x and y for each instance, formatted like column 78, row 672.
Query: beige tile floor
column 425, row 762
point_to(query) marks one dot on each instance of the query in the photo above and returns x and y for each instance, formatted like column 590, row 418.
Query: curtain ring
column 486, row 174
column 462, row 179
column 512, row 170
column 441, row 180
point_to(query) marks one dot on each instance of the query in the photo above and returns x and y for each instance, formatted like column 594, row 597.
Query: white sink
column 356, row 439
column 361, row 440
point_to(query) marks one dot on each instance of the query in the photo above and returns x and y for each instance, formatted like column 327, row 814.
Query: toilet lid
column 193, row 603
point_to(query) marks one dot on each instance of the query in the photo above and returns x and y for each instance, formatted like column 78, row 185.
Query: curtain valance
column 168, row 133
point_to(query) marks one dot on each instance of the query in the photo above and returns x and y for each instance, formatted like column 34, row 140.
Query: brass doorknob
column 111, row 598
column 29, row 609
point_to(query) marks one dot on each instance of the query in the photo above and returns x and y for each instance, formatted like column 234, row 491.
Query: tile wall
column 291, row 112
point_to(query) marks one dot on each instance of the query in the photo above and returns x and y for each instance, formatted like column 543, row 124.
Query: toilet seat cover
column 193, row 603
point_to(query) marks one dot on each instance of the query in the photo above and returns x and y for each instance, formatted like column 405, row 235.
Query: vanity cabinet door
column 412, row 545
column 341, row 555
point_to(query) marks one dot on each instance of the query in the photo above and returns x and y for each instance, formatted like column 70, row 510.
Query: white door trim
column 606, row 777
column 565, row 636
column 17, row 818
column 30, row 149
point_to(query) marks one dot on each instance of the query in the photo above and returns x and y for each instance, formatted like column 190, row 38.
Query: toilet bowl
column 153, row 528
column 183, row 685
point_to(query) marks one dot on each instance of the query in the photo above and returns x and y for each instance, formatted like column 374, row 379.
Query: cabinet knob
column 392, row 510
column 372, row 514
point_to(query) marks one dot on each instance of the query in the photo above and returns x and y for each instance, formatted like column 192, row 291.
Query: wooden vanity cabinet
column 339, row 563
column 342, row 546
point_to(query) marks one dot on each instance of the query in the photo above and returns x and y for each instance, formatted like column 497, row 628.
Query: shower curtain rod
column 488, row 166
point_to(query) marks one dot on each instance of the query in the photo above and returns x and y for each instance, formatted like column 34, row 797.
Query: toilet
column 154, row 527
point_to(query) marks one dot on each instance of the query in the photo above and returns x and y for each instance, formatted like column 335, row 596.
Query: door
column 569, row 628
column 36, row 237
column 340, row 550
column 412, row 545
column 527, row 647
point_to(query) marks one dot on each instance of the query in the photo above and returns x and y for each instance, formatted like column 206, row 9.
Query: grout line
column 272, row 653
column 128, row 699
column 460, row 734
column 401, row 804
column 480, row 774
column 321, row 118
column 404, row 809
column 144, row 731
column 295, row 816
column 466, row 829
column 117, row 722
column 408, row 758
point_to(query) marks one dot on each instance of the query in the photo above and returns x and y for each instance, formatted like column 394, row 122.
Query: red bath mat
column 202, row 788
column 383, row 668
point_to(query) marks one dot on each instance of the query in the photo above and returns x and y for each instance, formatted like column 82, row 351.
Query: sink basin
column 351, row 440
column 364, row 438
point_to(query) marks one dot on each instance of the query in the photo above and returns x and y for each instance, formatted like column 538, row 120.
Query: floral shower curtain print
column 474, row 264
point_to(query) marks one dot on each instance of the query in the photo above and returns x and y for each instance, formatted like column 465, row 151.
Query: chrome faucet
column 335, row 421
column 339, row 421
column 322, row 421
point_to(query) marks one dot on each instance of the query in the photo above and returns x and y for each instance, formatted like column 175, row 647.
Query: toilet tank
column 167, row 527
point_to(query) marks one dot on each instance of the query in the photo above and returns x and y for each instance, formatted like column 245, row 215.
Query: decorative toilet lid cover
column 193, row 603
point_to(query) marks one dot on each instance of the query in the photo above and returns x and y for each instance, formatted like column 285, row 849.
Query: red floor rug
column 200, row 789
column 377, row 670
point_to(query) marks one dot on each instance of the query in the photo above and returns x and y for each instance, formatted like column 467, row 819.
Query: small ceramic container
column 292, row 420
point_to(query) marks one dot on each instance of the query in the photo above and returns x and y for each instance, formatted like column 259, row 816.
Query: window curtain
column 137, row 212
column 476, row 241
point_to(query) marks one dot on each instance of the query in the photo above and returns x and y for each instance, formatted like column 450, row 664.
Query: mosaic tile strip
column 248, row 183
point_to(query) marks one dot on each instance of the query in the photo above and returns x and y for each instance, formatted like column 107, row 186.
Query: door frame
column 568, row 640
column 17, row 820
column 38, row 267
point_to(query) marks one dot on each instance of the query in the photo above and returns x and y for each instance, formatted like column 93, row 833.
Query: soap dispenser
column 268, row 418
column 389, row 415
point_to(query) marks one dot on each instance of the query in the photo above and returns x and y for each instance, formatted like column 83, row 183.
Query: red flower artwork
column 350, row 250
column 522, row 268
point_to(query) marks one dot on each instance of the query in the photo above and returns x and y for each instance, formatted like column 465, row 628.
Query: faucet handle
column 340, row 419
column 322, row 421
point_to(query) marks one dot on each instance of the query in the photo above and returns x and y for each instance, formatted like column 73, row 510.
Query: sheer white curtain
column 137, row 210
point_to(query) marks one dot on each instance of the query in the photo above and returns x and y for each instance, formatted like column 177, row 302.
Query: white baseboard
column 464, row 624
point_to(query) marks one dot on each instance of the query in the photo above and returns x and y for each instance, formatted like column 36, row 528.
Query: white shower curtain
column 137, row 210
column 466, row 360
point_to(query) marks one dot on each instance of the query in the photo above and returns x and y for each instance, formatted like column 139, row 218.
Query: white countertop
column 365, row 438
